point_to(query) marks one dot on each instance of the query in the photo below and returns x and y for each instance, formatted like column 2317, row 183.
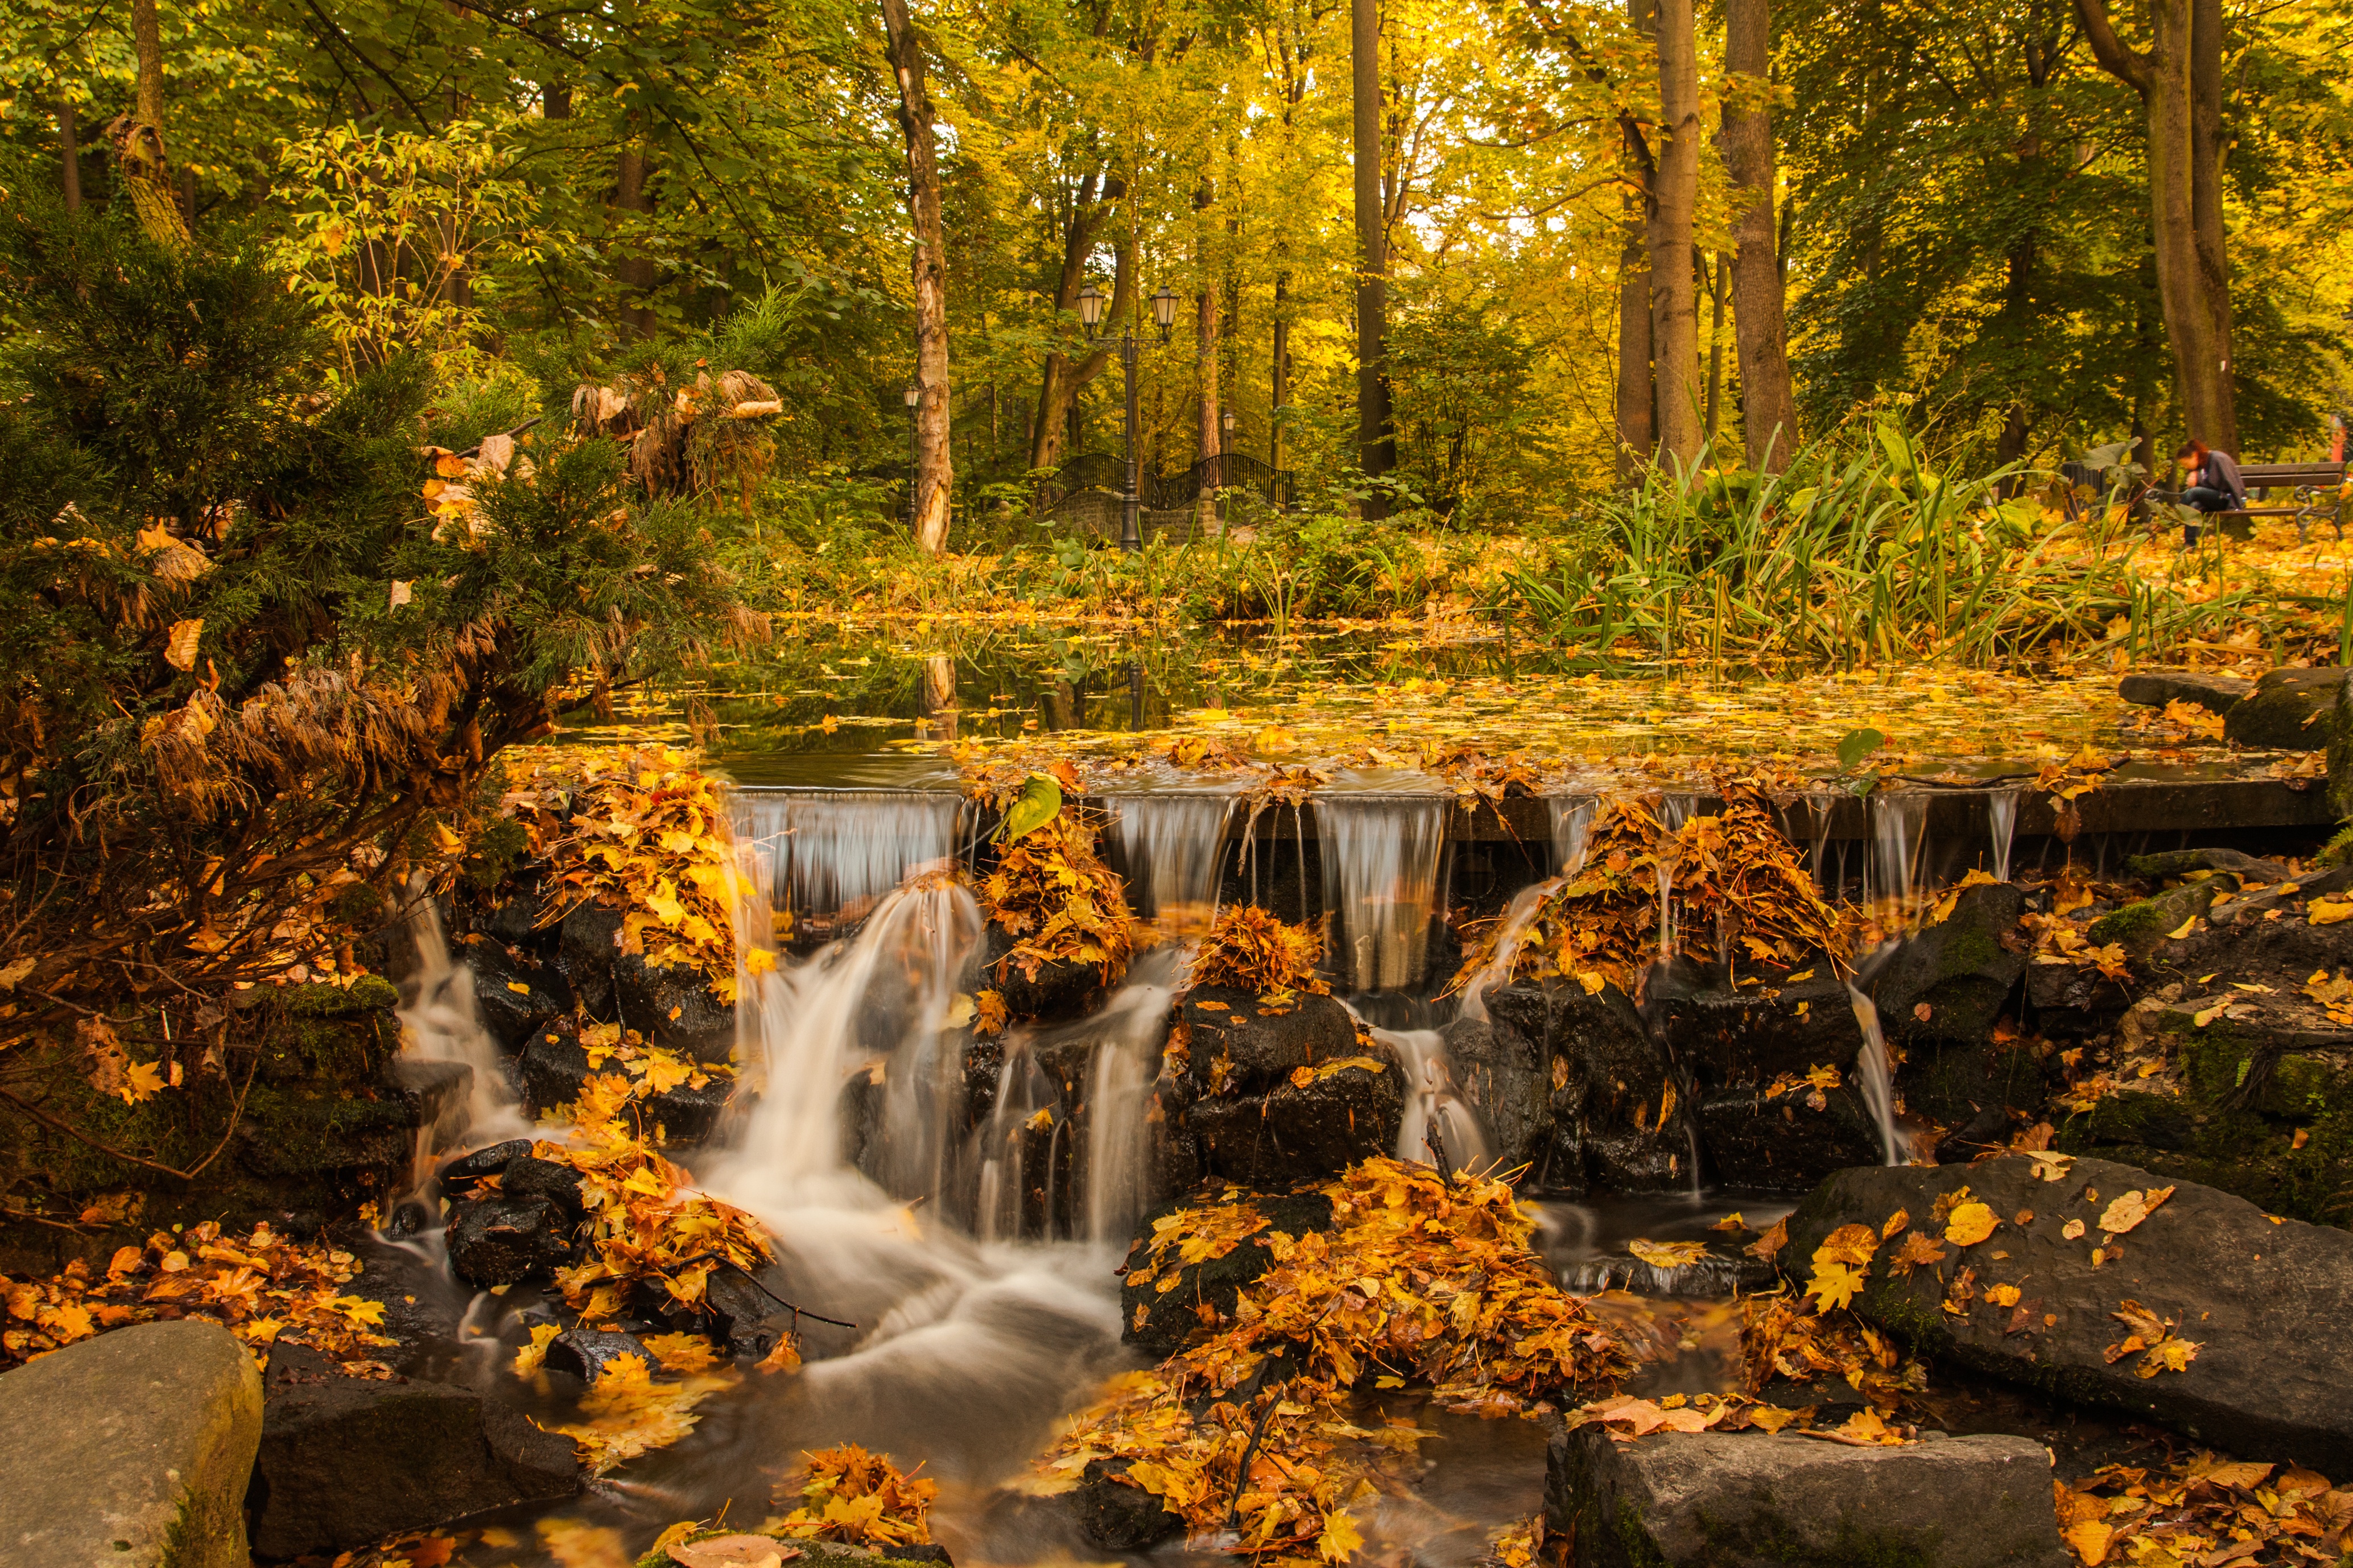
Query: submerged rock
column 2261, row 1301
column 1118, row 1515
column 131, row 1448
column 2155, row 687
column 347, row 1461
column 2289, row 710
column 1159, row 1321
column 1746, row 1500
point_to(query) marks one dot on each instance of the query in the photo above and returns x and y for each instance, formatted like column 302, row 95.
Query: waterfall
column 1125, row 1061
column 1572, row 828
column 835, row 854
column 1174, row 848
column 1897, row 821
column 1870, row 1070
column 1380, row 857
column 440, row 1022
column 1674, row 810
column 2002, row 819
column 1430, row 1101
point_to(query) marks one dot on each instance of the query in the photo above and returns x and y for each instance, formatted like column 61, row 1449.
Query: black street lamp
column 1164, row 313
column 914, row 395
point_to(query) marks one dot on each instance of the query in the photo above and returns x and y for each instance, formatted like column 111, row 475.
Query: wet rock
column 440, row 1090
column 515, row 992
column 132, row 1448
column 587, row 947
column 2263, row 1302
column 1506, row 1080
column 1262, row 1044
column 527, row 1176
column 1065, row 988
column 1159, row 1321
column 736, row 1314
column 504, row 1241
column 2173, row 863
column 1116, row 1513
column 1752, row 1033
column 1609, row 1077
column 2143, row 925
column 2155, row 687
column 1953, row 979
column 675, row 1007
column 586, row 1352
column 2289, row 710
column 466, row 1171
column 1787, row 1143
column 1744, row 1499
column 554, row 1066
column 1300, row 1132
column 347, row 1461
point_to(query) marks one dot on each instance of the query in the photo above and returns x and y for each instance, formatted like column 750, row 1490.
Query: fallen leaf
column 1970, row 1224
column 180, row 653
column 1668, row 1254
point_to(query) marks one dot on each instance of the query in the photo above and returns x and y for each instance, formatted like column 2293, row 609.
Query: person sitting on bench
column 2213, row 484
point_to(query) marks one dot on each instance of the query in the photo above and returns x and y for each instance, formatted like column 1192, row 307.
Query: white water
column 1175, row 848
column 1872, row 1072
column 2002, row 819
column 835, row 854
column 1432, row 1101
column 1380, row 885
column 440, row 1022
column 1674, row 810
column 1119, row 1087
column 1897, row 822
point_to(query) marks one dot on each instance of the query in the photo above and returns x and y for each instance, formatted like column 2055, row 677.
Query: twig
column 43, row 1117
column 798, row 1313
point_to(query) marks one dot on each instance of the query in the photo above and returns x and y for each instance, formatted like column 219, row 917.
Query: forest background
column 1958, row 207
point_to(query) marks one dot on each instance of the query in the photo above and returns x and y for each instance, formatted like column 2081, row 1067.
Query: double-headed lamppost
column 1164, row 313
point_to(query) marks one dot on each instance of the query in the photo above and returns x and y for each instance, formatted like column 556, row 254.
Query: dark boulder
column 2289, row 710
column 1117, row 1515
column 463, row 1174
column 1301, row 1131
column 1609, row 1076
column 738, row 1316
column 587, row 949
column 1952, row 979
column 1060, row 989
column 2169, row 864
column 1158, row 1321
column 1261, row 1044
column 528, row 1176
column 554, row 1066
column 673, row 1006
column 504, row 1241
column 514, row 991
column 586, row 1352
column 2155, row 687
column 1786, row 1143
column 1744, row 1499
column 348, row 1461
column 2262, row 1302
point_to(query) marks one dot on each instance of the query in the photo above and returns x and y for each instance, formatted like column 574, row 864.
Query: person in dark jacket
column 2212, row 484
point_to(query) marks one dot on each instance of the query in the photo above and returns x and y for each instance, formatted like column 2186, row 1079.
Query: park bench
column 2311, row 487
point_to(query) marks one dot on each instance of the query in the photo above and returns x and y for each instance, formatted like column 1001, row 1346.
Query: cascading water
column 835, row 854
column 1572, row 817
column 1897, row 822
column 1125, row 1060
column 1871, row 1072
column 1572, row 828
column 440, row 1022
column 1380, row 857
column 2001, row 820
column 1674, row 810
column 1174, row 848
column 1432, row 1104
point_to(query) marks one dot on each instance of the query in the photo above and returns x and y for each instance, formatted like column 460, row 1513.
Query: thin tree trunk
column 1717, row 281
column 1209, row 405
column 555, row 100
column 934, row 462
column 635, row 268
column 1059, row 381
column 2206, row 142
column 139, row 137
column 1376, row 446
column 69, row 155
column 2196, row 324
column 1638, row 433
column 1279, row 381
column 1674, row 332
column 1768, row 405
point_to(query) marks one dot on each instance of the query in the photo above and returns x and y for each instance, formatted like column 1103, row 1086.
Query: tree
column 2179, row 79
column 1375, row 444
column 139, row 137
column 1638, row 398
column 934, row 475
column 1768, row 400
column 1674, row 294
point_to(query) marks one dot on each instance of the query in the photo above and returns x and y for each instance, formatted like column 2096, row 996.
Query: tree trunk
column 1210, row 436
column 1376, row 446
column 69, row 155
column 1278, row 382
column 1674, row 305
column 1717, row 281
column 635, row 268
column 935, row 463
column 2206, row 207
column 2191, row 285
column 139, row 138
column 1638, row 433
column 1768, row 405
column 555, row 100
column 1059, row 381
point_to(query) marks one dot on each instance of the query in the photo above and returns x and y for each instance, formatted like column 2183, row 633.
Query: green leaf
column 1039, row 802
column 1857, row 744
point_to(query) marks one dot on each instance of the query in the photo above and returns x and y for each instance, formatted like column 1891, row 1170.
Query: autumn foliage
column 1250, row 950
column 1052, row 893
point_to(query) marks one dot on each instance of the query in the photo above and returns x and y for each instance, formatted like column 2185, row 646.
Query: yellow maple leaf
column 759, row 961
column 142, row 1081
column 1835, row 1285
column 529, row 1358
column 1340, row 1537
column 2088, row 1538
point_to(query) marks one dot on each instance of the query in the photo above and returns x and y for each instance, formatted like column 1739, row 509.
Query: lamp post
column 914, row 396
column 1164, row 314
column 1227, row 420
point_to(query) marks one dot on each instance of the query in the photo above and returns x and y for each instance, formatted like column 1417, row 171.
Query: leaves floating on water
column 628, row 1412
column 2204, row 1509
column 1668, row 1254
column 847, row 1494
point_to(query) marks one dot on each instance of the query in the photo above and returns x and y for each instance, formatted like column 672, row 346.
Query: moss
column 368, row 993
column 2138, row 919
column 2338, row 850
column 1635, row 1540
column 2155, row 1120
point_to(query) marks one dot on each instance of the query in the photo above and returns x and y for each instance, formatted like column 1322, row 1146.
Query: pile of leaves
column 645, row 1071
column 649, row 1230
column 1249, row 1427
column 1248, row 948
column 641, row 829
column 264, row 1288
column 1050, row 889
column 847, row 1494
column 1779, row 1338
column 1733, row 876
column 2204, row 1509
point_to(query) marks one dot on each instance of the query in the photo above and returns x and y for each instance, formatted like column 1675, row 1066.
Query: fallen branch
column 236, row 1115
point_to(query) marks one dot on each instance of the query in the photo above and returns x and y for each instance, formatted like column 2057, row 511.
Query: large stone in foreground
column 129, row 1450
column 346, row 1461
column 1731, row 1499
column 2264, row 1301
